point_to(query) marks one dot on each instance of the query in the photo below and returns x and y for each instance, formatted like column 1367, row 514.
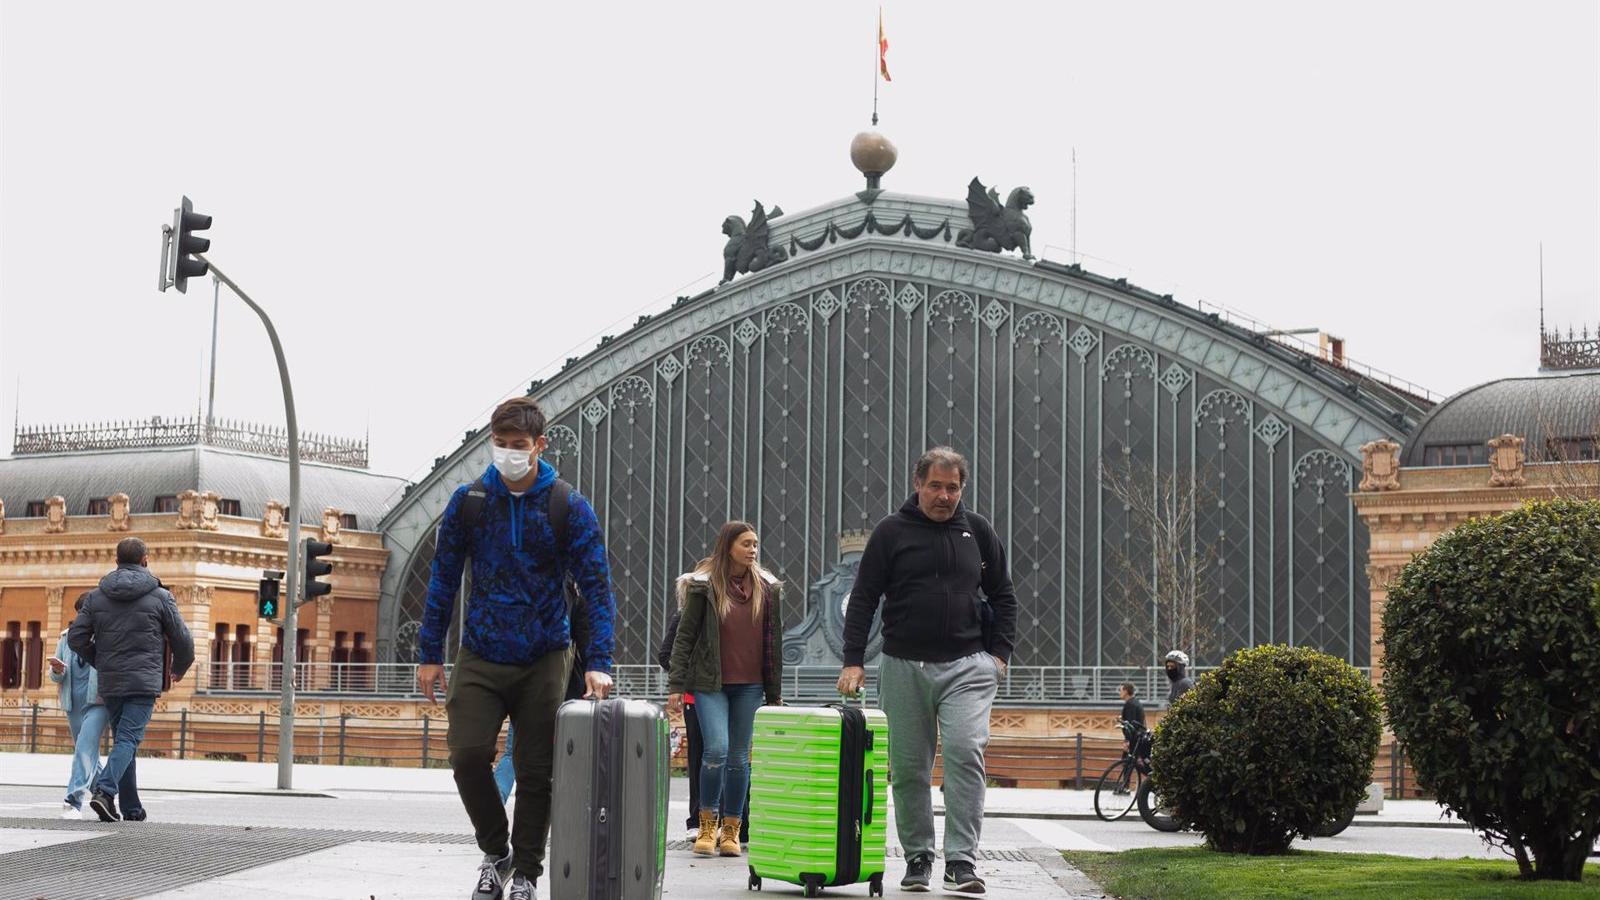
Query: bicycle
column 1119, row 786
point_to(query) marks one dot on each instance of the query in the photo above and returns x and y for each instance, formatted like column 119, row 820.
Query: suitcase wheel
column 754, row 884
column 875, row 886
column 813, row 886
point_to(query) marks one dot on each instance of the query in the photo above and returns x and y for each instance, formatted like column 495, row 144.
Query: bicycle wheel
column 1329, row 829
column 1152, row 811
column 1115, row 794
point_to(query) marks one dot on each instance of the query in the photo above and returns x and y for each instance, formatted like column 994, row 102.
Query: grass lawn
column 1193, row 873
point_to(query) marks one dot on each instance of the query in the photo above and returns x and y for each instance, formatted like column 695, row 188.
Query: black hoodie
column 929, row 575
column 124, row 630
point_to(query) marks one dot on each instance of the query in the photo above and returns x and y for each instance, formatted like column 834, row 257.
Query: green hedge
column 1268, row 747
column 1492, row 679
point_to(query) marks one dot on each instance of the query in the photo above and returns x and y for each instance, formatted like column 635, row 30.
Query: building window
column 228, row 507
column 1571, row 449
column 166, row 504
column 1455, row 455
column 11, row 656
column 22, row 657
column 37, row 509
column 100, row 506
column 347, row 521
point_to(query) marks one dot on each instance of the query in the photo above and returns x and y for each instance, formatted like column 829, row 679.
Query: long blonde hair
column 717, row 571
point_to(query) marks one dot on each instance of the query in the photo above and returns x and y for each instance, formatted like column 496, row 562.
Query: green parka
column 696, row 639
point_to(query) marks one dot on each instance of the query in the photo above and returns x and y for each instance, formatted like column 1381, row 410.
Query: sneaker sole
column 914, row 888
column 968, row 888
column 104, row 811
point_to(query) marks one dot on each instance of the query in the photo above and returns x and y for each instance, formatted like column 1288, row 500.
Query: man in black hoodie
column 124, row 630
column 944, row 652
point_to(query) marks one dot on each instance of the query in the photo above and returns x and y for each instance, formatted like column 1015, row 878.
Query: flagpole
column 877, row 57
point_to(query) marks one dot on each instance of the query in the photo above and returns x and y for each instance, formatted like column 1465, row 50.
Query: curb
column 254, row 792
column 1091, row 817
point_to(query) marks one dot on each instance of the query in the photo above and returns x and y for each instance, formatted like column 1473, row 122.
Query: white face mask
column 513, row 465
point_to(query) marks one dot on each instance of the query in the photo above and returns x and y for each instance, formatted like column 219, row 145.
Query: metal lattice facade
column 802, row 404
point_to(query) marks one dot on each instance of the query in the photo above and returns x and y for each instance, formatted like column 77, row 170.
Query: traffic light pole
column 290, row 601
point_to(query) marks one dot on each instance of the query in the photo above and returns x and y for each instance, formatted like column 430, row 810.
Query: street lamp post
column 292, row 568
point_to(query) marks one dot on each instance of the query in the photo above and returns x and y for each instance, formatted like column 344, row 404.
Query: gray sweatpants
column 923, row 702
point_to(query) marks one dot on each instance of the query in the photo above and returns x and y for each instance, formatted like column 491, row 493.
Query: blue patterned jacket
column 518, row 611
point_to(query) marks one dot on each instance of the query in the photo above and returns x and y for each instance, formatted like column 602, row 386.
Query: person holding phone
column 79, row 695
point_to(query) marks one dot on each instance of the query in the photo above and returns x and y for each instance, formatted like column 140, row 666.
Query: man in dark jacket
column 124, row 630
column 941, row 665
column 1177, row 666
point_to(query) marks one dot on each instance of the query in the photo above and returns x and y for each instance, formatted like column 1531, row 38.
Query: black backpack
column 558, row 509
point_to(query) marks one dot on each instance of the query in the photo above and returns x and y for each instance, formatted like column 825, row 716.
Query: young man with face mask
column 515, row 643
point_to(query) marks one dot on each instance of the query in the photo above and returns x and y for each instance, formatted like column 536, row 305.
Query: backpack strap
column 472, row 506
column 559, row 509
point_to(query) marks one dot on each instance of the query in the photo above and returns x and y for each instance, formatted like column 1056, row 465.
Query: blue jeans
column 129, row 716
column 505, row 772
column 727, row 720
column 87, row 726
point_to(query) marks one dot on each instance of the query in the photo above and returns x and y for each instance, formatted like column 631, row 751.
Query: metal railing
column 1054, row 686
column 1059, row 760
column 266, row 440
column 328, row 679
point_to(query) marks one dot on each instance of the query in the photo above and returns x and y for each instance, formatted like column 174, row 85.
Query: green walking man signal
column 267, row 599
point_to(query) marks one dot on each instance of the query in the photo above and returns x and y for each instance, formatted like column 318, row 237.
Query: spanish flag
column 883, row 49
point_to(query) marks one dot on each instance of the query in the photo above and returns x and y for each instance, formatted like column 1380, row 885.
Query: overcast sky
column 437, row 202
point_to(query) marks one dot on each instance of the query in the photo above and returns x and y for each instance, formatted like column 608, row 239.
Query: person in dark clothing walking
column 516, row 641
column 1177, row 666
column 942, row 661
column 124, row 630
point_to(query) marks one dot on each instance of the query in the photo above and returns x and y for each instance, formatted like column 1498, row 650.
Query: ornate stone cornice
column 1470, row 501
column 187, row 547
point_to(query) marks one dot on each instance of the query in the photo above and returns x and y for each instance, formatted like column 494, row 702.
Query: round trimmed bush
column 1272, row 745
column 1492, row 679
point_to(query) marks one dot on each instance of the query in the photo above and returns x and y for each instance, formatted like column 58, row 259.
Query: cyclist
column 1132, row 716
column 1177, row 665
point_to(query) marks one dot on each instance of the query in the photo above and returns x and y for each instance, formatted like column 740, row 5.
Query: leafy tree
column 1492, row 679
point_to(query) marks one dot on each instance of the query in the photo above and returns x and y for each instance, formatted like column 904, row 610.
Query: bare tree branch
column 1164, row 589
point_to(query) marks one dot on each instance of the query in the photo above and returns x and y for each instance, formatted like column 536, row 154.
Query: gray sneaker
column 919, row 871
column 961, row 878
column 521, row 889
column 492, row 875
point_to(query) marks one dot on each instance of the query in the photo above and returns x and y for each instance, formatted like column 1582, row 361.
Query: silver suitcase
column 608, row 817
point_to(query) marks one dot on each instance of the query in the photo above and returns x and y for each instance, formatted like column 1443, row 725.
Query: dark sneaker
column 521, row 889
column 961, row 878
column 919, row 871
column 134, row 815
column 492, row 875
column 105, row 807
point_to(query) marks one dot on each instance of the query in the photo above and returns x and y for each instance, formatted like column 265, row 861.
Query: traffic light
column 316, row 568
column 267, row 599
column 186, row 242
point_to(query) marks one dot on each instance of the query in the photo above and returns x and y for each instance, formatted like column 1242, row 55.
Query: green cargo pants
column 481, row 695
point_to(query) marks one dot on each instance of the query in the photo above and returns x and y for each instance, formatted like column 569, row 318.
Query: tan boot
column 728, row 840
column 706, row 843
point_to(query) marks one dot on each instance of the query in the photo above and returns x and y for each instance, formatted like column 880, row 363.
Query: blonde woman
column 726, row 654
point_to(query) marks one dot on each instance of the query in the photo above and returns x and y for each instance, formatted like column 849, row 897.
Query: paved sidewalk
column 43, row 769
column 220, row 829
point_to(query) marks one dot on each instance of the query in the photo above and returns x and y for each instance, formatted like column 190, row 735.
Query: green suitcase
column 819, row 797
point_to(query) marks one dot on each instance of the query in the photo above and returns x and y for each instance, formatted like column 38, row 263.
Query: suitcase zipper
column 853, row 742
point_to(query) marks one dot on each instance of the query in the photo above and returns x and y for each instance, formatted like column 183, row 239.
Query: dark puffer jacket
column 124, row 630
